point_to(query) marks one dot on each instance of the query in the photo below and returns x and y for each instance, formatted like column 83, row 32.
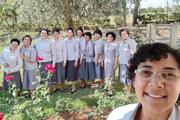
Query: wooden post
column 173, row 38
column 151, row 32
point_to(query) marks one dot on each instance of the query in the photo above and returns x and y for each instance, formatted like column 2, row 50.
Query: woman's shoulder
column 124, row 112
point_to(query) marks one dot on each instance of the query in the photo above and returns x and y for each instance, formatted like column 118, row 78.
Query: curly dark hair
column 152, row 52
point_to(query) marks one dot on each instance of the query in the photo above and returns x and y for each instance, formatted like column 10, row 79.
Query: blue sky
column 155, row 3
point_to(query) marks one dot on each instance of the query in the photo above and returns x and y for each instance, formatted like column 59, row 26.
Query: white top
column 110, row 52
column 12, row 59
column 99, row 49
column 72, row 49
column 45, row 49
column 31, row 54
column 125, row 50
column 128, row 112
column 61, row 51
column 82, row 44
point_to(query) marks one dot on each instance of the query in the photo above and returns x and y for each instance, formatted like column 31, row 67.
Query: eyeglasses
column 165, row 76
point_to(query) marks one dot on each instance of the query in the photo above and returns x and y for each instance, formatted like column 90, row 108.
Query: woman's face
column 110, row 38
column 14, row 45
column 79, row 33
column 56, row 35
column 87, row 38
column 70, row 33
column 26, row 41
column 124, row 35
column 97, row 36
column 44, row 34
column 157, row 84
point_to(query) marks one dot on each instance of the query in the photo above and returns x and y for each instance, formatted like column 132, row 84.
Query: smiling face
column 70, row 33
column 110, row 38
column 26, row 41
column 56, row 35
column 14, row 45
column 44, row 34
column 155, row 93
column 79, row 33
column 87, row 38
column 124, row 35
column 97, row 36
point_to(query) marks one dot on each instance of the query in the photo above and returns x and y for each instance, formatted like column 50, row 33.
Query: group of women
column 74, row 58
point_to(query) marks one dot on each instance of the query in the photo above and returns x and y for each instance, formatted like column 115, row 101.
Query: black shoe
column 82, row 87
column 56, row 90
column 72, row 92
column 62, row 90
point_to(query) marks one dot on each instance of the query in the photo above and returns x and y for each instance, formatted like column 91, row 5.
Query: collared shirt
column 45, row 49
column 99, row 49
column 128, row 112
column 11, row 60
column 110, row 52
column 82, row 44
column 61, row 51
column 89, row 51
column 125, row 50
column 30, row 53
column 72, row 49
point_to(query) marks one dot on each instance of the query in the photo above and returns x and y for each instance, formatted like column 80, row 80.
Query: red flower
column 1, row 116
column 39, row 58
column 50, row 68
column 8, row 78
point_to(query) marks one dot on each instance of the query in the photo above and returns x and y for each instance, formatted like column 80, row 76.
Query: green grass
column 84, row 98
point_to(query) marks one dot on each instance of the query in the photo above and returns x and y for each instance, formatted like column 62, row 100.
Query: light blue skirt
column 29, row 79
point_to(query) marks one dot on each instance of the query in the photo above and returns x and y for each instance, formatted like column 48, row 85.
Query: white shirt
column 128, row 112
column 12, row 58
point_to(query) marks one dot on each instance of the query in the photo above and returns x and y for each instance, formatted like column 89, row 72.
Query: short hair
column 28, row 37
column 15, row 40
column 124, row 30
column 151, row 52
column 111, row 33
column 88, row 34
column 81, row 29
column 44, row 30
column 98, row 31
column 56, row 30
column 70, row 29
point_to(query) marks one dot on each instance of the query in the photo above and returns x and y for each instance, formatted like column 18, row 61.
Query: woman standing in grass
column 110, row 59
column 61, row 60
column 72, row 58
column 82, row 62
column 28, row 55
column 125, row 51
column 89, row 58
column 12, row 62
column 99, row 52
column 45, row 50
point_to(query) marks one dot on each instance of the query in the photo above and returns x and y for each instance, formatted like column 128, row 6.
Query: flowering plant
column 39, row 58
column 50, row 68
column 8, row 77
column 1, row 116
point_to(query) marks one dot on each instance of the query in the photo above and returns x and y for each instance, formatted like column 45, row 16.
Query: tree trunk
column 123, row 19
column 136, row 11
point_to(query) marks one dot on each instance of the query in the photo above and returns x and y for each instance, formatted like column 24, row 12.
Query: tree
column 136, row 11
column 70, row 12
column 8, row 16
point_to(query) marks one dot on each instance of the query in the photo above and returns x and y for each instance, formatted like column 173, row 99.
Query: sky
column 155, row 3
